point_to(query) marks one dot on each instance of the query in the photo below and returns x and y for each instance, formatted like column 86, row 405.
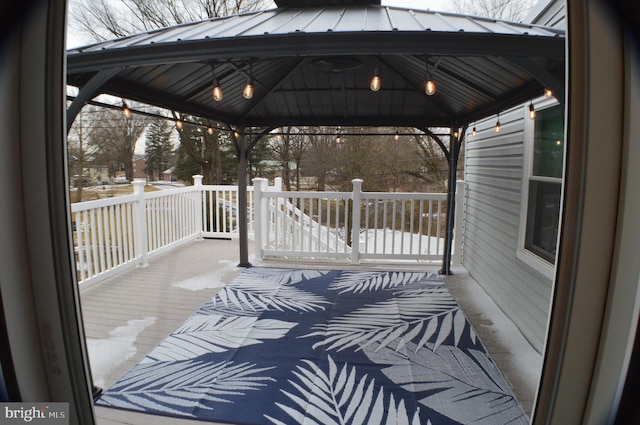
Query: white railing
column 324, row 225
column 113, row 234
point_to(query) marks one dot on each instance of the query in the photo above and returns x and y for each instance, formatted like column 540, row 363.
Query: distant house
column 139, row 167
column 513, row 201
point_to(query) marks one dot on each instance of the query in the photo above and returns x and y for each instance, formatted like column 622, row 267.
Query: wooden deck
column 127, row 315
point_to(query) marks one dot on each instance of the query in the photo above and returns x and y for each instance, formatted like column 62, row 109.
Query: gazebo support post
column 242, row 152
column 456, row 137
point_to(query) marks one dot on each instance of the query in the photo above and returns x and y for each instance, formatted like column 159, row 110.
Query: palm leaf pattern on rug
column 341, row 397
column 358, row 282
column 259, row 292
column 169, row 387
column 422, row 313
column 464, row 385
column 202, row 334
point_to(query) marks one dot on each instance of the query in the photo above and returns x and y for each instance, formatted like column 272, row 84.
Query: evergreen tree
column 159, row 149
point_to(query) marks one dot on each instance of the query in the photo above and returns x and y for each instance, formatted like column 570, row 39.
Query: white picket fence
column 324, row 225
column 113, row 234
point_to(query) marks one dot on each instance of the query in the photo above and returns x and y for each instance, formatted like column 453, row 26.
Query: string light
column 548, row 93
column 217, row 90
column 125, row 109
column 429, row 86
column 498, row 124
column 532, row 111
column 248, row 89
column 474, row 133
column 179, row 124
column 375, row 83
column 209, row 130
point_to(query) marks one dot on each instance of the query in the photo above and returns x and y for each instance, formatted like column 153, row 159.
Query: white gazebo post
column 140, row 223
column 259, row 214
column 355, row 224
column 197, row 183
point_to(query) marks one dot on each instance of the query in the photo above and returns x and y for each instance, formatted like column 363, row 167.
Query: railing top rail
column 101, row 203
column 170, row 192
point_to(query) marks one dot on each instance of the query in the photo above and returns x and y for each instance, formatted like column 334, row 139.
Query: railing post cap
column 357, row 181
column 197, row 179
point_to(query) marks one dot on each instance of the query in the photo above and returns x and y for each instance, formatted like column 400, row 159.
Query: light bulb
column 532, row 111
column 248, row 90
column 375, row 83
column 209, row 130
column 396, row 137
column 430, row 87
column 179, row 124
column 473, row 131
column 217, row 91
column 126, row 112
column 548, row 93
column 498, row 126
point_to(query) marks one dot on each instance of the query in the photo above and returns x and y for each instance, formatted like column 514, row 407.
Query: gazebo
column 339, row 63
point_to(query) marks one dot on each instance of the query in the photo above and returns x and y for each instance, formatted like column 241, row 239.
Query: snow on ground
column 388, row 241
column 211, row 279
column 107, row 354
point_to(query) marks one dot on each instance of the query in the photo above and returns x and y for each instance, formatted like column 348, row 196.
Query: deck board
column 151, row 292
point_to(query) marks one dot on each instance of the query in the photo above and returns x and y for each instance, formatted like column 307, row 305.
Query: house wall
column 493, row 175
column 549, row 13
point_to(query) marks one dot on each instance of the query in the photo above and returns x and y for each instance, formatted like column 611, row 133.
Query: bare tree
column 115, row 139
column 80, row 151
column 509, row 10
column 288, row 149
column 104, row 19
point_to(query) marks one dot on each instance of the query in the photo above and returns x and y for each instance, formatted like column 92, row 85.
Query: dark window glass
column 548, row 144
column 542, row 219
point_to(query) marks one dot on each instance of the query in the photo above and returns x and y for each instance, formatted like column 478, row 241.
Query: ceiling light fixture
column 376, row 82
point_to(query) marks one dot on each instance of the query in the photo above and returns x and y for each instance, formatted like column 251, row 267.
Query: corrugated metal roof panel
column 477, row 64
column 319, row 20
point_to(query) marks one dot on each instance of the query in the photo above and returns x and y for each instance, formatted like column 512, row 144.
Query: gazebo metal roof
column 312, row 66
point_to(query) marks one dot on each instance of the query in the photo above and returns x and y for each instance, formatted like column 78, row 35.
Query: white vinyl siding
column 549, row 13
column 493, row 175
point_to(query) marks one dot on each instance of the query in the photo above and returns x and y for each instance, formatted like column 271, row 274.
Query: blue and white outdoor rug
column 280, row 346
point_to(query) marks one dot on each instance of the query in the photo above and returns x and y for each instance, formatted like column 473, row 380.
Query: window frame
column 528, row 257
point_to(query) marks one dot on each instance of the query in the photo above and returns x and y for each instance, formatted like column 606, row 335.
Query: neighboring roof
column 481, row 66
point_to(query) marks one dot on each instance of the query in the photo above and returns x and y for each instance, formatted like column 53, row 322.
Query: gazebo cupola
column 320, row 3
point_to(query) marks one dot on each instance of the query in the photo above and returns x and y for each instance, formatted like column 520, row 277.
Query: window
column 542, row 188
